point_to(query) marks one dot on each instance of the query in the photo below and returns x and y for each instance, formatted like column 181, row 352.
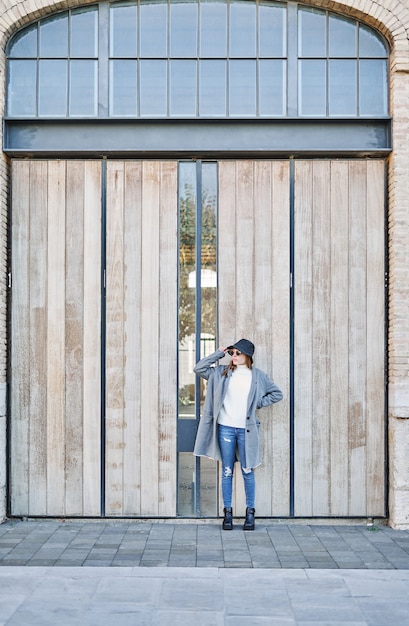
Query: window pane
column 342, row 38
column 153, row 88
column 342, row 88
column 242, row 29
column 370, row 43
column 312, row 31
column 54, row 37
column 21, row 88
column 123, row 31
column 272, row 87
column 212, row 88
column 153, row 29
column 83, row 88
column 272, row 31
column 213, row 29
column 52, row 92
column 123, row 88
column 24, row 43
column 183, row 29
column 183, row 88
column 312, row 88
column 242, row 88
column 373, row 98
column 84, row 24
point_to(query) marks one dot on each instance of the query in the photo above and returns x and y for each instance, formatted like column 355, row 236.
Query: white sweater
column 234, row 410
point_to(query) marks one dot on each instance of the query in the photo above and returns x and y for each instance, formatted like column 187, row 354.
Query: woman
column 229, row 420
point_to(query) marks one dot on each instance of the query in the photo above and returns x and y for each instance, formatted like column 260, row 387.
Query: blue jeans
column 230, row 439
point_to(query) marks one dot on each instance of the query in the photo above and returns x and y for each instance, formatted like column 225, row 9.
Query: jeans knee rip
column 227, row 472
column 247, row 470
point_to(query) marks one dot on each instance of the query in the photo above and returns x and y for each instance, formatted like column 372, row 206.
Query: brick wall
column 393, row 21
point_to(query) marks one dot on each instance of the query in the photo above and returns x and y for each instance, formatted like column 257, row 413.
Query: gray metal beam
column 203, row 138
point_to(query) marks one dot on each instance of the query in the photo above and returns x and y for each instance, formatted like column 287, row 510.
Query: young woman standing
column 229, row 427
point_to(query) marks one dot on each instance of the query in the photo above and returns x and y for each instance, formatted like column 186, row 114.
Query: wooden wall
column 141, row 342
column 339, row 338
column 254, row 224
column 56, row 338
column 57, row 346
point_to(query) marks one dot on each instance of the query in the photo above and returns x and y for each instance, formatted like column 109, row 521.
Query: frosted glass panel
column 242, row 29
column 54, row 37
column 312, row 88
column 123, row 31
column 213, row 29
column 84, row 33
column 312, row 33
column 212, row 89
column 183, row 88
column 272, row 88
column 52, row 99
column 21, row 86
column 123, row 93
column 342, row 87
column 373, row 99
column 343, row 37
column 153, row 29
column 153, row 87
column 83, row 88
column 183, row 29
column 242, row 88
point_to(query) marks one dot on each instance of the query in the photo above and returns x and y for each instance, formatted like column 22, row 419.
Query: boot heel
column 228, row 519
column 249, row 521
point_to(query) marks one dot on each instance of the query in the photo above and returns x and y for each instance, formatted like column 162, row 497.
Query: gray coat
column 263, row 392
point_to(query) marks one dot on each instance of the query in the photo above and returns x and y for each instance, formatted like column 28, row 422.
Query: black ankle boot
column 228, row 519
column 249, row 521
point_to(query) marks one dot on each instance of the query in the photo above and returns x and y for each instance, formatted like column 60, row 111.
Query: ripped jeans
column 229, row 439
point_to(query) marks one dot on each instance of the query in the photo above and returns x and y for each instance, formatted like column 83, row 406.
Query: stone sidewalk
column 155, row 544
column 140, row 573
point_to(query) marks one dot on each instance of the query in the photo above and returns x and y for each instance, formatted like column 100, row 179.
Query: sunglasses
column 234, row 352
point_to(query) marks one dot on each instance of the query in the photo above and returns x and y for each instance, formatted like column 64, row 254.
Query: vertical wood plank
column 357, row 336
column 132, row 340
column 38, row 337
column 56, row 340
column 279, row 367
column 375, row 338
column 321, row 279
column 339, row 348
column 20, row 338
column 167, row 334
column 74, row 331
column 150, row 339
column 92, row 340
column 115, row 339
column 303, row 323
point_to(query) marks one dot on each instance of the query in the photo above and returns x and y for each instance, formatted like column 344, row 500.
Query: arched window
column 197, row 59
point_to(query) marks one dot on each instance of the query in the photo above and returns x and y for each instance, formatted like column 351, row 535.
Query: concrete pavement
column 131, row 572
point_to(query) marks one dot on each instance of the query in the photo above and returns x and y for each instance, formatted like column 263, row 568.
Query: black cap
column 245, row 346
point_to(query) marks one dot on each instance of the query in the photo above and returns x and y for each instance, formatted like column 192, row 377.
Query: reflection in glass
column 153, row 88
column 123, row 88
column 242, row 88
column 197, row 478
column 312, row 33
column 123, row 30
column 242, row 31
column 24, row 43
column 342, row 87
column 183, row 29
column 312, row 88
column 182, row 87
column 84, row 33
column 272, row 30
column 373, row 98
column 342, row 37
column 21, row 88
column 52, row 90
column 54, row 37
column 272, row 88
column 153, row 29
column 213, row 28
column 83, row 88
column 212, row 88
column 370, row 43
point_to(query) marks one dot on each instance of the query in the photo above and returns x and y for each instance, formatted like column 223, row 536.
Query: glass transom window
column 196, row 59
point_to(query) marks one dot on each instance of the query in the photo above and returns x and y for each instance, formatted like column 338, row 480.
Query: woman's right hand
column 221, row 349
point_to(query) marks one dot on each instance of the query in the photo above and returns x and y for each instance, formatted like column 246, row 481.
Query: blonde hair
column 232, row 367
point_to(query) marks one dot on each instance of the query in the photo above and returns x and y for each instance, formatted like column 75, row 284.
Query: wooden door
column 141, row 338
column 254, row 235
column 339, row 403
column 56, row 338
